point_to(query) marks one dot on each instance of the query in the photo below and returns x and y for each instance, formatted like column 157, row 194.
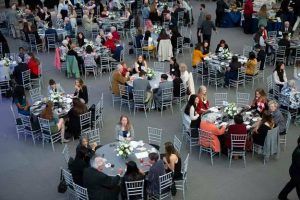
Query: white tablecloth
column 154, row 82
column 5, row 71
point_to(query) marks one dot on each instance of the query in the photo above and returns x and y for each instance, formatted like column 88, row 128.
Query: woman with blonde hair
column 262, row 16
column 81, row 91
column 124, row 129
column 260, row 101
column 56, row 123
column 203, row 104
column 187, row 78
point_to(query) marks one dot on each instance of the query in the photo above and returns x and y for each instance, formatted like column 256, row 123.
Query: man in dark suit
column 286, row 28
column 51, row 30
column 157, row 169
column 21, row 67
column 142, row 83
column 164, row 84
column 295, row 175
column 285, row 42
column 99, row 185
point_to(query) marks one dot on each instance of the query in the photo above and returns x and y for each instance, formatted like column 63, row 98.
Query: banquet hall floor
column 31, row 172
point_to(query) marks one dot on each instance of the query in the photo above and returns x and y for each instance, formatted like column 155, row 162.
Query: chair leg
column 211, row 159
column 244, row 157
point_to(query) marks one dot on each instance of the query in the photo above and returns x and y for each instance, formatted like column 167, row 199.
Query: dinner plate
column 246, row 122
column 107, row 165
column 255, row 119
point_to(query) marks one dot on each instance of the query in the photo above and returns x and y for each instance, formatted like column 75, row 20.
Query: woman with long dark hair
column 21, row 102
column 5, row 47
column 174, row 67
column 192, row 115
column 266, row 124
column 80, row 39
column 279, row 75
column 172, row 160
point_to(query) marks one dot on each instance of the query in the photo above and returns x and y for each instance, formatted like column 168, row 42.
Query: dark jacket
column 51, row 31
column 77, row 167
column 176, row 87
column 207, row 27
column 138, row 39
column 74, row 123
column 295, row 166
column 99, row 185
column 221, row 6
column 156, row 170
column 128, row 178
column 174, row 69
column 83, row 94
column 21, row 67
column 117, row 53
column 235, row 66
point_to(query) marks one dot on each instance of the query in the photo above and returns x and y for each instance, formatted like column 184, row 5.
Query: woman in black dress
column 266, row 124
column 81, row 91
column 80, row 39
column 5, row 47
column 174, row 67
column 172, row 160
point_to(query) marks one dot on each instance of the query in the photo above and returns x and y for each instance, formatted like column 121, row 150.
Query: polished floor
column 31, row 172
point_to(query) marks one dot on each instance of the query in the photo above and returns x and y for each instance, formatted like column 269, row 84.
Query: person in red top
column 33, row 65
column 203, row 104
column 248, row 11
column 125, row 69
column 110, row 43
column 260, row 101
column 237, row 128
column 115, row 34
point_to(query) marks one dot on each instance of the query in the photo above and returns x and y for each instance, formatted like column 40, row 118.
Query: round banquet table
column 154, row 82
column 231, row 19
column 6, row 71
column 221, row 64
column 108, row 152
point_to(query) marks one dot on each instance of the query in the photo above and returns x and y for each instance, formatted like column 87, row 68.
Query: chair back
column 139, row 98
column 287, row 115
column 246, row 50
column 45, row 127
column 135, row 189
column 66, row 153
column 180, row 16
column 11, row 56
column 205, row 138
column 167, row 96
column 185, row 166
column 93, row 136
column 154, row 135
column 297, row 55
column 242, row 99
column 35, row 94
column 4, row 87
column 68, row 178
column 26, row 122
column 271, row 145
column 32, row 39
column 220, row 98
column 272, row 34
column 165, row 183
column 85, row 122
column 124, row 94
column 238, row 141
column 179, row 44
column 26, row 80
column 81, row 192
column 177, row 144
column 51, row 40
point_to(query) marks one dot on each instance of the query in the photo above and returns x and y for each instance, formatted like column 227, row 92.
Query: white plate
column 255, row 119
column 246, row 122
column 107, row 165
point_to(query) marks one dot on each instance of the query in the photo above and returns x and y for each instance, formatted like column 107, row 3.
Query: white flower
column 120, row 153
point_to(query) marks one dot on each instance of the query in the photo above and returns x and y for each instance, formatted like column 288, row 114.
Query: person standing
column 220, row 11
column 206, row 29
column 201, row 19
column 294, row 174
column 248, row 11
column 296, row 7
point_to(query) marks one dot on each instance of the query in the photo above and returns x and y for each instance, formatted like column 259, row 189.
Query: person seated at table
column 124, row 130
column 262, row 16
column 261, row 36
column 176, row 86
column 117, row 54
column 55, row 87
column 172, row 21
column 279, row 120
column 133, row 173
column 56, row 124
column 78, row 165
column 110, row 43
column 90, row 148
column 78, row 109
column 261, row 56
column 100, row 39
column 221, row 47
column 19, row 98
column 141, row 83
column 232, row 71
column 251, row 64
column 279, row 75
column 285, row 42
column 164, row 84
column 81, row 91
column 87, row 20
column 79, row 59
column 68, row 26
column 172, row 161
column 100, row 185
column 267, row 123
column 208, row 125
column 22, row 54
column 63, row 50
column 184, row 75
column 286, row 28
column 17, row 73
column 51, row 30
column 59, row 21
column 34, row 66
column 174, row 67
column 162, row 36
column 260, row 101
column 198, row 56
column 205, row 48
column 105, row 12
column 192, row 116
column 118, row 79
column 203, row 103
column 125, row 69
column 115, row 34
column 140, row 65
column 80, row 39
column 157, row 169
column 33, row 30
column 154, row 14
column 175, row 35
column 237, row 128
column 289, row 90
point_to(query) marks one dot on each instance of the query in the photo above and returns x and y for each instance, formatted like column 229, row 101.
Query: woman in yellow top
column 197, row 55
column 251, row 64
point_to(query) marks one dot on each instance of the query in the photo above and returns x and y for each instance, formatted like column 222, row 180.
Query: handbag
column 62, row 186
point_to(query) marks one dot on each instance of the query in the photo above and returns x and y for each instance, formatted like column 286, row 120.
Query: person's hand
column 120, row 171
column 93, row 145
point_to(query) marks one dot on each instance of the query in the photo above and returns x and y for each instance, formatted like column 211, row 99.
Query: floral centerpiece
column 231, row 109
column 6, row 61
column 225, row 54
column 150, row 73
column 157, row 29
column 56, row 98
column 124, row 149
